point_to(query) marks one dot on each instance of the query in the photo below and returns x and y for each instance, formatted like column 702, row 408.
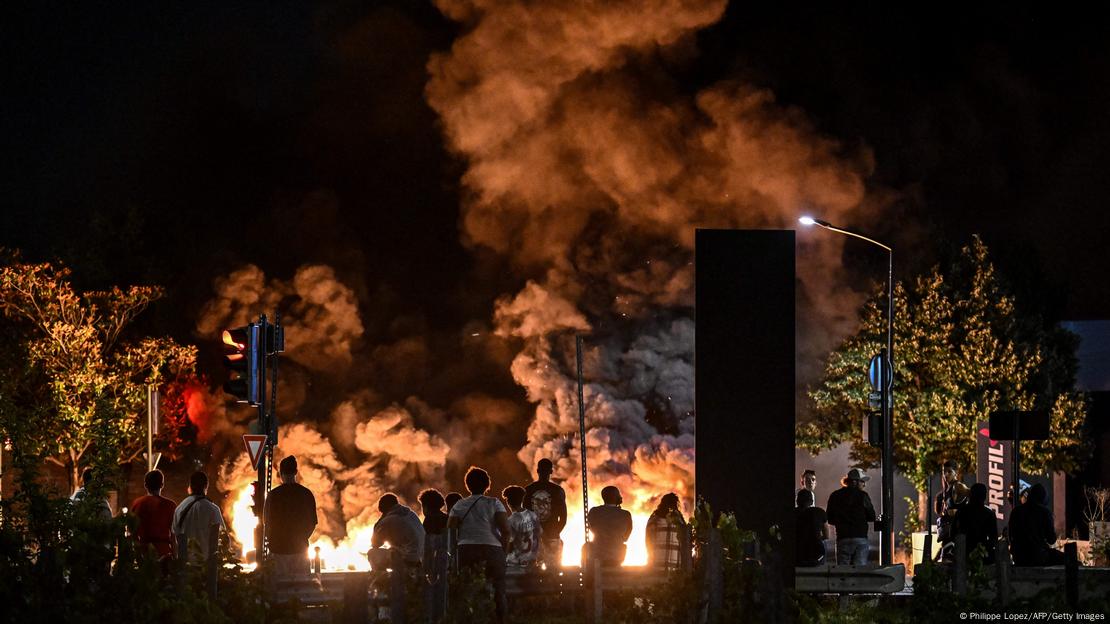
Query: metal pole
column 263, row 467
column 886, row 550
column 582, row 441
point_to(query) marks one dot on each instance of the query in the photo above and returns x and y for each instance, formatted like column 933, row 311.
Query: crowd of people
column 960, row 510
column 518, row 532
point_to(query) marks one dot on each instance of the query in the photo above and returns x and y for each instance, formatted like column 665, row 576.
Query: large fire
column 350, row 552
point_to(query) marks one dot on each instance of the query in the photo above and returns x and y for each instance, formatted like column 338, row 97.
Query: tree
column 64, row 353
column 963, row 348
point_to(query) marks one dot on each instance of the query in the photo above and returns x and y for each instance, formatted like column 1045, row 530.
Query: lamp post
column 886, row 545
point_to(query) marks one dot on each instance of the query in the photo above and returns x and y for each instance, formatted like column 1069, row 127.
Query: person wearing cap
column 549, row 502
column 290, row 520
column 850, row 511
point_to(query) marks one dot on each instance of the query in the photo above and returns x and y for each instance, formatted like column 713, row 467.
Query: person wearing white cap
column 850, row 510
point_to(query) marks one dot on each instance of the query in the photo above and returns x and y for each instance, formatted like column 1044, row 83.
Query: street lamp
column 886, row 545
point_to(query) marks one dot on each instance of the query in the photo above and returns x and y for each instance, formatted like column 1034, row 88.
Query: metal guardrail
column 847, row 579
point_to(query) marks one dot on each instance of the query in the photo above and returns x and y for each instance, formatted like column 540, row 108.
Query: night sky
column 173, row 144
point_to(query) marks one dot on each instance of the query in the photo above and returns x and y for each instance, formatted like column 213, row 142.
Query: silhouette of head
column 198, row 483
column 514, row 495
column 669, row 502
column 431, row 500
column 451, row 499
column 477, row 480
column 154, row 481
column 1038, row 495
column 387, row 502
column 978, row 495
column 544, row 469
column 288, row 468
column 611, row 495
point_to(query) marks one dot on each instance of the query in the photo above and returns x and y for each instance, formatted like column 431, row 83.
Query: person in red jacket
column 155, row 515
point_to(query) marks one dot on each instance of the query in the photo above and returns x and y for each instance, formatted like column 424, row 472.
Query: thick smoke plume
column 365, row 446
column 589, row 170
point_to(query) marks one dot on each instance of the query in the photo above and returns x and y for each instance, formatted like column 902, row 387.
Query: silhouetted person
column 484, row 533
column 290, row 520
column 451, row 499
column 431, row 505
column 549, row 501
column 195, row 516
column 524, row 545
column 154, row 514
column 399, row 527
column 811, row 530
column 610, row 527
column 666, row 536
column 948, row 500
column 978, row 522
column 1032, row 532
column 88, row 482
column 850, row 511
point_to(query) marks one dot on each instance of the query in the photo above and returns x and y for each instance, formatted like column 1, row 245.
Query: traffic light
column 873, row 426
column 245, row 360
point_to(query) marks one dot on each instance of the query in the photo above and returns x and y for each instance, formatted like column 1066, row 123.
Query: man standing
column 155, row 515
column 194, row 518
column 850, row 511
column 549, row 502
column 610, row 526
column 290, row 520
column 946, row 501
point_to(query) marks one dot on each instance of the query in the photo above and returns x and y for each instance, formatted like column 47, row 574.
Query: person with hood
column 401, row 528
column 850, row 510
column 977, row 521
column 1032, row 531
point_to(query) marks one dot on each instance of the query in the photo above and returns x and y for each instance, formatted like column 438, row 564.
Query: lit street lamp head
column 807, row 220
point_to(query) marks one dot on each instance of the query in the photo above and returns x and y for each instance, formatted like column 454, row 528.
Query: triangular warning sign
column 254, row 443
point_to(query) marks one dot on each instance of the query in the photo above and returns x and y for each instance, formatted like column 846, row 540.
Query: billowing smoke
column 363, row 445
column 589, row 170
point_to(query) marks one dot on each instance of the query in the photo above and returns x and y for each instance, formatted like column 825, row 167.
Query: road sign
column 878, row 362
column 151, row 465
column 254, row 443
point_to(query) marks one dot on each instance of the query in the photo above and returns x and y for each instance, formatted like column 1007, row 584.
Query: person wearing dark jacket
column 1032, row 533
column 850, row 510
column 812, row 529
column 290, row 520
column 977, row 521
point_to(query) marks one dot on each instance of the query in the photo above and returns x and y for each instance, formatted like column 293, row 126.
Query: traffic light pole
column 264, row 461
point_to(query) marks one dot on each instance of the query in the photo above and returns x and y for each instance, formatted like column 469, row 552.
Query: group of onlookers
column 960, row 510
column 520, row 531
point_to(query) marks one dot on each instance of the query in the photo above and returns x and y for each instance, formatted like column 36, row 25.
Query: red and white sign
column 254, row 443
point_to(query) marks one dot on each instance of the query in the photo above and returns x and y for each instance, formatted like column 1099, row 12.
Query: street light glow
column 806, row 221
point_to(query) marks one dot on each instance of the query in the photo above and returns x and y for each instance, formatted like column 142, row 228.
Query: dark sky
column 172, row 144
